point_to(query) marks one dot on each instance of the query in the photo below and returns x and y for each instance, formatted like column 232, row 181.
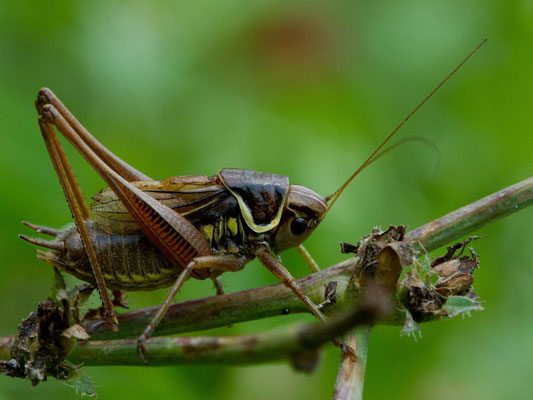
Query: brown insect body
column 229, row 209
column 147, row 233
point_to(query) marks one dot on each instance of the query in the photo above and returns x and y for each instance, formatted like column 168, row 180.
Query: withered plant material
column 429, row 289
column 440, row 288
column 381, row 257
column 46, row 337
column 449, row 275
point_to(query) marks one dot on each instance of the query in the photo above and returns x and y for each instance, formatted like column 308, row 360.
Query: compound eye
column 298, row 226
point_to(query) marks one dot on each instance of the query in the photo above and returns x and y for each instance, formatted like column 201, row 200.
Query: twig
column 237, row 350
column 351, row 375
column 467, row 219
column 222, row 310
column 276, row 299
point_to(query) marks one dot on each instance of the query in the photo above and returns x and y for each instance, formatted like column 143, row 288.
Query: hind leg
column 46, row 96
column 79, row 210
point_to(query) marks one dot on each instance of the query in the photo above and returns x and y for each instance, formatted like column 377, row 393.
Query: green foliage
column 302, row 89
column 78, row 380
column 459, row 305
column 46, row 337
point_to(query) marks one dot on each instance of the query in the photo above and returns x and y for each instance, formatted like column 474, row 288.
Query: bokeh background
column 305, row 89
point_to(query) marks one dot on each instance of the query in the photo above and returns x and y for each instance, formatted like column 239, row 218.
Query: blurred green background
column 304, row 89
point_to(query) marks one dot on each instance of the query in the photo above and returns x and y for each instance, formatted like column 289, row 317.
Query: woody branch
column 273, row 300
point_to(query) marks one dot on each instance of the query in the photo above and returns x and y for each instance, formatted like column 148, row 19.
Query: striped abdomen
column 128, row 262
column 132, row 261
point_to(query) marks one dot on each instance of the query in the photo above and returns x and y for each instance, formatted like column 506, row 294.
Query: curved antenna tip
column 334, row 196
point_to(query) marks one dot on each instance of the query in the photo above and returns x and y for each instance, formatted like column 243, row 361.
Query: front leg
column 219, row 287
column 264, row 255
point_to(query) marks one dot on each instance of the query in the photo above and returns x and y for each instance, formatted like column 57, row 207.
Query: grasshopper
column 144, row 234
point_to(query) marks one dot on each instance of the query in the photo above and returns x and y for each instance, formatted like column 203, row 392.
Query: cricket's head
column 303, row 212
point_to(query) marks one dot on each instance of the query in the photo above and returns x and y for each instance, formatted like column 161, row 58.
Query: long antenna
column 401, row 142
column 333, row 197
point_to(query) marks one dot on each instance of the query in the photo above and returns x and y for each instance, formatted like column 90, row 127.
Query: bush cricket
column 144, row 234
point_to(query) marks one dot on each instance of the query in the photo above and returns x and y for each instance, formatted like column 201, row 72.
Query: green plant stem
column 276, row 299
column 450, row 227
column 216, row 311
column 283, row 343
column 351, row 374
column 467, row 219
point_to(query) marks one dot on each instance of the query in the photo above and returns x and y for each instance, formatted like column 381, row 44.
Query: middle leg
column 218, row 286
column 217, row 262
column 308, row 258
